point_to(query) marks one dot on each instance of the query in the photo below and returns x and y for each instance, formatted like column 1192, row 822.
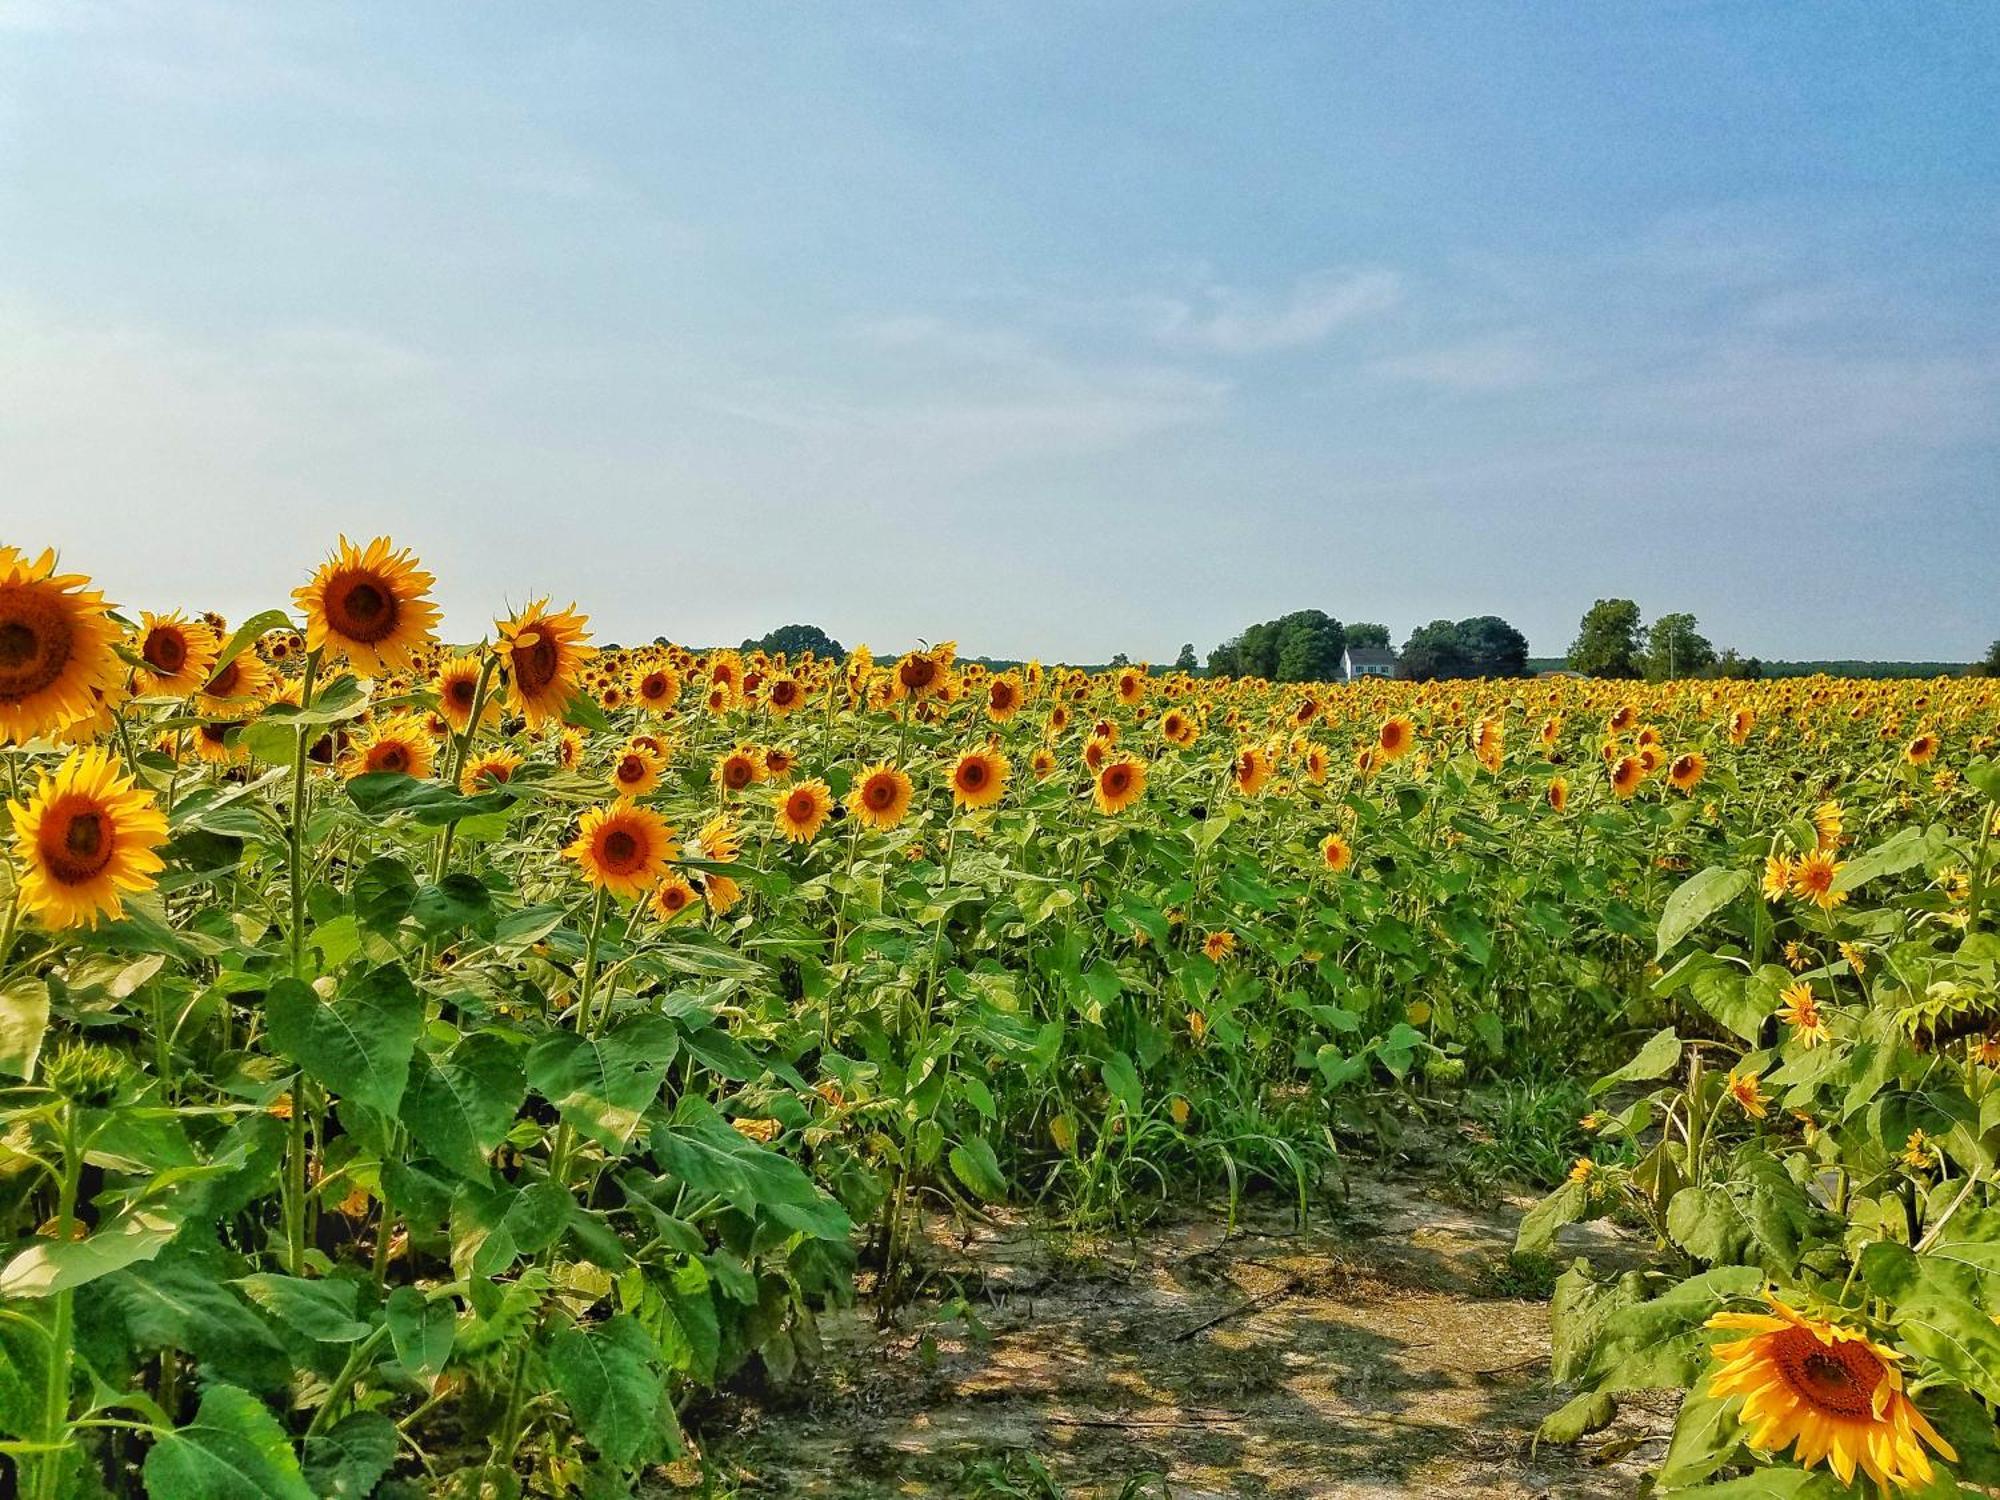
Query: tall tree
column 1676, row 648
column 1435, row 650
column 1991, row 666
column 1492, row 647
column 1187, row 661
column 1374, row 636
column 1607, row 642
column 1304, row 646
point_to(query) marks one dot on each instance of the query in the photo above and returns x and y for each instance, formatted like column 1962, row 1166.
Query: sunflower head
column 978, row 777
column 179, row 654
column 57, row 643
column 636, row 771
column 370, row 605
column 881, row 797
column 401, row 744
column 803, row 810
column 84, row 840
column 487, row 770
column 544, row 652
column 623, row 848
column 457, row 687
column 740, row 769
column 1120, row 783
column 1336, row 853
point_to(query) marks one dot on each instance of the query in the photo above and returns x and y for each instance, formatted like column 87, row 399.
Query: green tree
column 1435, row 650
column 1991, row 666
column 1492, row 647
column 794, row 640
column 1675, row 648
column 1187, row 661
column 1375, row 636
column 1607, row 641
column 1304, row 646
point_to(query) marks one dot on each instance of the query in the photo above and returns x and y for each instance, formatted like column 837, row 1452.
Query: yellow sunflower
column 979, row 777
column 623, row 848
column 881, row 797
column 1777, row 876
column 740, row 769
column 720, row 840
column 85, row 837
column 1120, row 783
column 544, row 651
column 487, row 770
column 1253, row 768
column 1687, row 770
column 1557, row 793
column 569, row 749
column 1626, row 775
column 1396, row 738
column 1829, row 1393
column 1003, row 697
column 719, row 891
column 239, row 687
column 370, row 605
column 401, row 743
column 784, row 693
column 57, row 642
column 1800, row 1011
column 671, row 897
column 1813, row 879
column 1336, row 852
column 1042, row 762
column 179, row 655
column 636, row 771
column 803, row 811
column 457, row 687
column 657, row 689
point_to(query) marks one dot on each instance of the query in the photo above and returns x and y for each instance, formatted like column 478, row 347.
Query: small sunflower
column 623, row 848
column 85, row 838
column 784, row 694
column 1003, row 696
column 487, row 770
column 369, row 604
column 979, row 778
column 238, row 687
column 1748, row 1091
column 803, row 811
column 720, row 892
column 57, row 642
column 720, row 841
column 1042, row 762
column 179, row 654
column 457, row 687
column 671, row 897
column 881, row 797
column 1219, row 945
column 1557, row 794
column 636, row 772
column 740, row 768
column 1685, row 774
column 1921, row 750
column 1626, row 775
column 1778, row 870
column 1253, row 768
column 1813, row 880
column 1336, row 853
column 1120, row 783
column 569, row 749
column 1800, row 1011
column 656, row 689
column 544, row 651
column 1396, row 738
column 401, row 743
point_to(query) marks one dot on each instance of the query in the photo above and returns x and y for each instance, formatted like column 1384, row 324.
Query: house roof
column 1371, row 656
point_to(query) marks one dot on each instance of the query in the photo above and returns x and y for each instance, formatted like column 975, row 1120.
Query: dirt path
column 1393, row 1353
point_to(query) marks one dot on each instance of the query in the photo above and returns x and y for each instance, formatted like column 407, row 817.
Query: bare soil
column 1392, row 1350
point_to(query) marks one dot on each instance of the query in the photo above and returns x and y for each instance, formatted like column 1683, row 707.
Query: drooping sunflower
column 979, row 777
column 803, row 811
column 1685, row 774
column 881, row 797
column 213, row 746
column 1829, row 1393
column 720, row 892
column 179, row 654
column 1748, row 1091
column 623, row 848
column 671, row 897
column 544, row 651
column 99, row 722
column 487, row 770
column 740, row 768
column 636, row 771
column 401, row 743
column 720, row 840
column 369, row 604
column 457, row 687
column 85, row 838
column 1120, row 784
column 1336, row 853
column 778, row 761
column 57, row 642
column 1397, row 737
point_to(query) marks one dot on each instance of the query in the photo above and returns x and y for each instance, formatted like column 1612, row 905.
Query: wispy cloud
column 1502, row 362
column 1229, row 321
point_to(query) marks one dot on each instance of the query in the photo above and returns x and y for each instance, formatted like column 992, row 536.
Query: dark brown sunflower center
column 783, row 692
column 972, row 775
column 223, row 683
column 34, row 645
column 620, row 850
column 736, row 775
column 76, row 843
column 801, row 807
column 536, row 668
column 166, row 651
column 1117, row 779
column 631, row 768
column 655, row 686
column 391, row 757
column 363, row 608
column 881, row 793
column 918, row 672
column 1839, row 1380
column 461, row 691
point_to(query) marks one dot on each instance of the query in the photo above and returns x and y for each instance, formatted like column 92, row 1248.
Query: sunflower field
column 431, row 1069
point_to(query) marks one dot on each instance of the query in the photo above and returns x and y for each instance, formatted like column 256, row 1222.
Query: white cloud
column 1504, row 362
column 1229, row 321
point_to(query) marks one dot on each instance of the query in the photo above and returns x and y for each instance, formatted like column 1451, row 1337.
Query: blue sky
column 1061, row 328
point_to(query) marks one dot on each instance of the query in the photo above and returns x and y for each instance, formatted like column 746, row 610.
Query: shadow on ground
column 1381, row 1358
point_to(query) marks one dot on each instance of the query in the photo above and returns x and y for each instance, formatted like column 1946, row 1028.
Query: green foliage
column 1607, row 641
column 1304, row 646
column 1675, row 648
column 1484, row 646
column 794, row 641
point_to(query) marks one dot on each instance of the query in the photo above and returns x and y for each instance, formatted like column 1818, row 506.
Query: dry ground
column 1393, row 1352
